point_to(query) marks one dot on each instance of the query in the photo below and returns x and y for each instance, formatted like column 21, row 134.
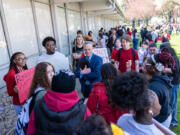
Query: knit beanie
column 64, row 81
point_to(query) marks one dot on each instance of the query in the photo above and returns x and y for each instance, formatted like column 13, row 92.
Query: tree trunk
column 138, row 22
column 147, row 21
column 169, row 16
column 133, row 23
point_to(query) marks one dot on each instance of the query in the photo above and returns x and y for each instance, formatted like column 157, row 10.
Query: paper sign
column 102, row 52
column 23, row 82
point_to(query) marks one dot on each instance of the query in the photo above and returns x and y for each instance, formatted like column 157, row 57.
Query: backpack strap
column 133, row 54
column 33, row 101
column 119, row 54
column 132, row 51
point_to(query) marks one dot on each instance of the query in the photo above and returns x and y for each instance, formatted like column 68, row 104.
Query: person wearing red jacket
column 60, row 111
column 128, row 32
column 99, row 100
column 17, row 65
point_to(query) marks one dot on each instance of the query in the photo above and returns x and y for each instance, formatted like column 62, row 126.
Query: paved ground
column 7, row 113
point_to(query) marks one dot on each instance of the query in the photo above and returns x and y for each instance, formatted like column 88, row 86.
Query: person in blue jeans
column 173, row 104
column 135, row 39
column 175, row 74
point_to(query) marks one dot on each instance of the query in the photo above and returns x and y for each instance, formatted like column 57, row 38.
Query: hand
column 128, row 65
column 88, row 70
column 75, row 55
column 78, row 56
column 16, row 89
column 85, row 70
column 137, row 65
column 115, row 64
column 167, row 70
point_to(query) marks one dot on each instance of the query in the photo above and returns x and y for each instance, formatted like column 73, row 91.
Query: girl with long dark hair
column 17, row 65
column 99, row 100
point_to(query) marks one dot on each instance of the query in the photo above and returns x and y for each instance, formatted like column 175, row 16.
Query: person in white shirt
column 142, row 52
column 57, row 59
column 152, row 50
column 130, row 92
column 142, row 122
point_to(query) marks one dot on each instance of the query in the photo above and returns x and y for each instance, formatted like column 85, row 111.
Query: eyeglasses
column 21, row 59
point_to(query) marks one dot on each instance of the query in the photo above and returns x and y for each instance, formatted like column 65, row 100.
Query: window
column 20, row 25
column 62, row 31
column 44, row 21
column 74, row 23
column 4, row 59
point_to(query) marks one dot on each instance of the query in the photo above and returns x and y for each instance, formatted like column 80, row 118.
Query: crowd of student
column 137, row 90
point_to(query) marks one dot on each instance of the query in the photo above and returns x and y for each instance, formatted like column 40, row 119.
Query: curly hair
column 108, row 74
column 47, row 39
column 166, row 59
column 147, row 99
column 40, row 78
column 93, row 125
column 127, row 88
column 166, row 47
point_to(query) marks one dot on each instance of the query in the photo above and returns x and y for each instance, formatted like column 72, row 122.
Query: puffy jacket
column 161, row 85
column 98, row 102
column 61, row 107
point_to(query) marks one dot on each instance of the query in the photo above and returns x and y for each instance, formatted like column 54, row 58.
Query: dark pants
column 85, row 89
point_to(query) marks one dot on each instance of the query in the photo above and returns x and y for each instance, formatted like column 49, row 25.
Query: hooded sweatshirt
column 161, row 85
column 54, row 105
column 98, row 103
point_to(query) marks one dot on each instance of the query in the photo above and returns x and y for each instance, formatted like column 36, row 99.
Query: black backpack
column 133, row 54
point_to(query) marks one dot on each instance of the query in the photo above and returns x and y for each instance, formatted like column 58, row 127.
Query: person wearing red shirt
column 99, row 100
column 17, row 65
column 167, row 35
column 126, row 60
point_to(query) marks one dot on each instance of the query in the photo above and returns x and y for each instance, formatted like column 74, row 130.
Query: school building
column 25, row 23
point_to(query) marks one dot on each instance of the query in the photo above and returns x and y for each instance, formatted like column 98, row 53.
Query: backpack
column 24, row 115
column 133, row 54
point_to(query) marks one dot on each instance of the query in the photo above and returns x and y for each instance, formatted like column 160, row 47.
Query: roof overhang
column 98, row 7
